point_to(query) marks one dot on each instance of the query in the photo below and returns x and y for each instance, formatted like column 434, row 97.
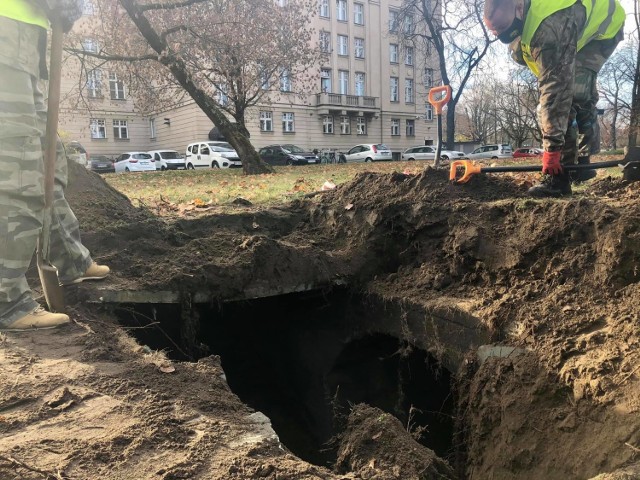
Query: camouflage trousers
column 22, row 126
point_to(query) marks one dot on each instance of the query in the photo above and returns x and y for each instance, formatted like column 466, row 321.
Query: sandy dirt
column 558, row 279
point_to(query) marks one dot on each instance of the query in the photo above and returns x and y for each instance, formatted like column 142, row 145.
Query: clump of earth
column 556, row 281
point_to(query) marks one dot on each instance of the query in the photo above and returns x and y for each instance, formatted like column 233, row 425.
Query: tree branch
column 168, row 6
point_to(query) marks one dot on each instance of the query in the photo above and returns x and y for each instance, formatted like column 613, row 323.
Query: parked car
column 167, row 159
column 369, row 152
column 287, row 155
column 502, row 150
column 134, row 162
column 101, row 164
column 211, row 155
column 527, row 152
column 427, row 152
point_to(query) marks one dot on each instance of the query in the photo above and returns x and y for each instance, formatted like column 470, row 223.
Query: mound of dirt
column 376, row 445
column 558, row 279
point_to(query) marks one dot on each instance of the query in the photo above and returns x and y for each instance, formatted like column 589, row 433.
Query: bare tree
column 516, row 102
column 634, row 123
column 615, row 84
column 227, row 55
column 452, row 31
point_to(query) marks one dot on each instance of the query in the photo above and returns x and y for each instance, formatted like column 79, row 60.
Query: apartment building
column 371, row 88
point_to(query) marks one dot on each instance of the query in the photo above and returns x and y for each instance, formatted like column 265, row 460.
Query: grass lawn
column 180, row 189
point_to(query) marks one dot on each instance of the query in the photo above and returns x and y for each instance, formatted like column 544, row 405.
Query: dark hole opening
column 297, row 359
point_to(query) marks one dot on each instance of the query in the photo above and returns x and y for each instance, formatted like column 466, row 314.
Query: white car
column 211, row 155
column 369, row 152
column 134, row 162
column 495, row 151
column 427, row 152
column 167, row 159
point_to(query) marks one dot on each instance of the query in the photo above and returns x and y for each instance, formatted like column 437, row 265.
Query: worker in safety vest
column 564, row 43
column 23, row 43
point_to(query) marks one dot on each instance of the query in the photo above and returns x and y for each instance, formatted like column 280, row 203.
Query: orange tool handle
column 438, row 104
column 470, row 169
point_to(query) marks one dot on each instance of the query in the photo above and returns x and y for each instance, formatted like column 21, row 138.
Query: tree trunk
column 251, row 162
column 451, row 124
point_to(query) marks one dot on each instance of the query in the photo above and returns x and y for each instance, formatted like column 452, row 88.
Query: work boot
column 579, row 176
column 37, row 319
column 552, row 186
column 94, row 272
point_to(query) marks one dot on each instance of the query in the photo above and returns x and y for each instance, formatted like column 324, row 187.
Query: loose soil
column 558, row 279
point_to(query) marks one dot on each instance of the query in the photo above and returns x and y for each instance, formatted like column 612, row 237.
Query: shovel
column 470, row 168
column 437, row 105
column 53, row 292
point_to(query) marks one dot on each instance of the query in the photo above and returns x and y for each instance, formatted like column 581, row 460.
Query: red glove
column 551, row 163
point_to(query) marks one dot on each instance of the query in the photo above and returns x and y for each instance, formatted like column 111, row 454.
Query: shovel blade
column 53, row 291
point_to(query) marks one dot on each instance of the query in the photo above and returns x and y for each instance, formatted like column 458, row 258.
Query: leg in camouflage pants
column 22, row 126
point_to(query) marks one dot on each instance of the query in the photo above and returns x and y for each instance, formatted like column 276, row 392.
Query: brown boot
column 38, row 319
column 94, row 272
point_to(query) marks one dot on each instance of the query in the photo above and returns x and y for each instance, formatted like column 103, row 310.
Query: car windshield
column 100, row 158
column 292, row 149
column 141, row 156
column 221, row 149
column 169, row 155
column 221, row 145
column 382, row 146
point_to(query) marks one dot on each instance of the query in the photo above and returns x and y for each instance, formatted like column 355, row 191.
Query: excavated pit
column 306, row 359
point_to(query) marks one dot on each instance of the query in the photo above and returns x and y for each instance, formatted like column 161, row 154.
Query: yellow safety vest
column 604, row 20
column 23, row 11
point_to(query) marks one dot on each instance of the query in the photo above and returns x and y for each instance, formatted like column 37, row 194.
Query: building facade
column 371, row 87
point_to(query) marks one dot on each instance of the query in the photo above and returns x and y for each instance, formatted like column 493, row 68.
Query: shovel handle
column 438, row 104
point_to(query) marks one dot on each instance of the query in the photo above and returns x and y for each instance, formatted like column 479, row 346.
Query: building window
column 98, row 128
column 429, row 112
column 116, row 87
column 264, row 77
column 393, row 94
column 90, row 45
column 411, row 128
column 408, row 90
column 152, row 128
column 393, row 53
column 285, row 80
column 342, row 10
column 408, row 56
column 428, row 77
column 360, row 84
column 324, row 8
column 288, row 124
column 343, row 45
column 393, row 21
column 325, row 42
column 266, row 121
column 359, row 43
column 325, row 80
column 120, row 130
column 88, row 8
column 343, row 82
column 327, row 124
column 358, row 13
column 361, row 125
column 221, row 95
column 395, row 127
column 94, row 83
column 408, row 25
column 345, row 126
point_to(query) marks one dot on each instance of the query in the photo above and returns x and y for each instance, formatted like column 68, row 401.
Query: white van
column 211, row 155
column 167, row 159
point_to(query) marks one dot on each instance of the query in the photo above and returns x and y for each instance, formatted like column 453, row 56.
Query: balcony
column 331, row 102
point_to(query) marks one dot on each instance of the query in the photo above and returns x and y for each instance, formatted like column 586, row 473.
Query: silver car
column 494, row 151
column 426, row 152
column 369, row 152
